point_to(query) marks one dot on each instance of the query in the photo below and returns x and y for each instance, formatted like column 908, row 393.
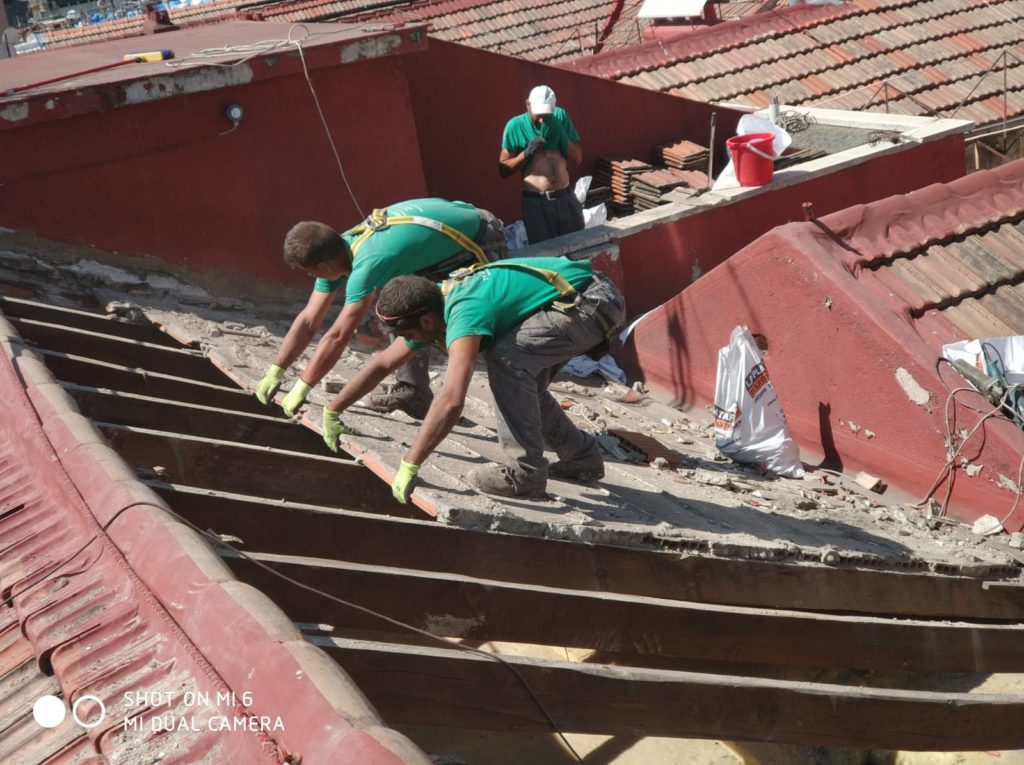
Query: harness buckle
column 377, row 220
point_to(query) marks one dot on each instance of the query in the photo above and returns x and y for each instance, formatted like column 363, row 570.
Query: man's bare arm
column 509, row 164
column 334, row 341
column 375, row 370
column 575, row 153
column 447, row 405
column 303, row 328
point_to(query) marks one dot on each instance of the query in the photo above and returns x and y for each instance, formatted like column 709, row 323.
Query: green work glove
column 332, row 427
column 267, row 387
column 296, row 397
column 405, row 479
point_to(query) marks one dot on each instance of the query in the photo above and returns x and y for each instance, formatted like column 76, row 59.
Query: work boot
column 403, row 397
column 571, row 471
column 502, row 481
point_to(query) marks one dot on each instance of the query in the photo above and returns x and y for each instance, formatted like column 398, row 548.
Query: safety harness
column 566, row 292
column 379, row 220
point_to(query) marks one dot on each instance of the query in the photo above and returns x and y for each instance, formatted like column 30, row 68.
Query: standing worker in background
column 419, row 236
column 528, row 316
column 537, row 145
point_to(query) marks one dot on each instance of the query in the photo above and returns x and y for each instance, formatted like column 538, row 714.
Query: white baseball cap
column 542, row 100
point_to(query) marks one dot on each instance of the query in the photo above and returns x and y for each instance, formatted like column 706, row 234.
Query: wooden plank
column 446, row 687
column 89, row 321
column 196, row 420
column 227, row 466
column 132, row 353
column 268, row 526
column 69, row 367
column 486, row 609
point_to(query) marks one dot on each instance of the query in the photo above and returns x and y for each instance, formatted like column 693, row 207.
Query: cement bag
column 749, row 423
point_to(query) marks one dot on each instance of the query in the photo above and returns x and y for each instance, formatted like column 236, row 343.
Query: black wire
column 436, row 638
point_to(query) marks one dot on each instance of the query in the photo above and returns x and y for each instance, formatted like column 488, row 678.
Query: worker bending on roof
column 419, row 236
column 537, row 144
column 528, row 316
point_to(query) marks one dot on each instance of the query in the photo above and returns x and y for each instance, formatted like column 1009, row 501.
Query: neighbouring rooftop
column 917, row 57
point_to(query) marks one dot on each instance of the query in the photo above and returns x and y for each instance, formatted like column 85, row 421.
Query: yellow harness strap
column 566, row 292
column 379, row 220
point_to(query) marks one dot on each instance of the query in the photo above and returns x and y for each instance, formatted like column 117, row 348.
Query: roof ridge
column 905, row 225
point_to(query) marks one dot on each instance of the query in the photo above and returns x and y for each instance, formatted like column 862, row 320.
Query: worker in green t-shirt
column 528, row 317
column 419, row 236
column 537, row 144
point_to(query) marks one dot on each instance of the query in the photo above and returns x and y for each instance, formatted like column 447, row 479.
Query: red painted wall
column 161, row 178
column 660, row 261
column 462, row 98
column 833, row 350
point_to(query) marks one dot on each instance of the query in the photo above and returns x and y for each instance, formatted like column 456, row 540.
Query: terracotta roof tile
column 936, row 51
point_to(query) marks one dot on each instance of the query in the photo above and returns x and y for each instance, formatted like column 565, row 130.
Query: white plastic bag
column 582, row 187
column 993, row 356
column 750, row 425
column 594, row 216
column 515, row 235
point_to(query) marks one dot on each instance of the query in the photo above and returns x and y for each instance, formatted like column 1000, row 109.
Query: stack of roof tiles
column 922, row 57
column 649, row 189
column 618, row 174
column 682, row 155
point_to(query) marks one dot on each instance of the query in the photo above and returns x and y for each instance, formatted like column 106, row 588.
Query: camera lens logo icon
column 49, row 711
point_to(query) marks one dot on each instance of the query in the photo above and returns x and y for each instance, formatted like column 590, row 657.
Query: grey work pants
column 520, row 366
column 416, row 371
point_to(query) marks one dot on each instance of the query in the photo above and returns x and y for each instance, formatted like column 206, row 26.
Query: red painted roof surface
column 856, row 307
column 95, row 77
column 921, row 57
column 108, row 600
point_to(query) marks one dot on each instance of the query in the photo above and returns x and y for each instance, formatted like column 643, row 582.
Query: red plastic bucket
column 752, row 157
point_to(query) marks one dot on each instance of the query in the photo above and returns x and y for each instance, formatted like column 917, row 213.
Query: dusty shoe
column 403, row 397
column 569, row 471
column 499, row 480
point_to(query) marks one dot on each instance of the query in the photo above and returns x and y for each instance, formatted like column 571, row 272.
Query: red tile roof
column 118, row 610
column 918, row 57
column 130, row 27
column 957, row 249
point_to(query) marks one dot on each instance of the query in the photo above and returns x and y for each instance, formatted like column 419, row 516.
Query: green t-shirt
column 494, row 299
column 405, row 248
column 558, row 132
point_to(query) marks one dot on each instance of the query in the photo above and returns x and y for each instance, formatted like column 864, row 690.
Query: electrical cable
column 216, row 540
column 323, row 119
column 951, row 461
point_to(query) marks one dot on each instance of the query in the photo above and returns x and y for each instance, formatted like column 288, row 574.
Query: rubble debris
column 1017, row 540
column 650, row 447
column 987, row 525
column 971, row 469
column 712, row 478
column 868, row 481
